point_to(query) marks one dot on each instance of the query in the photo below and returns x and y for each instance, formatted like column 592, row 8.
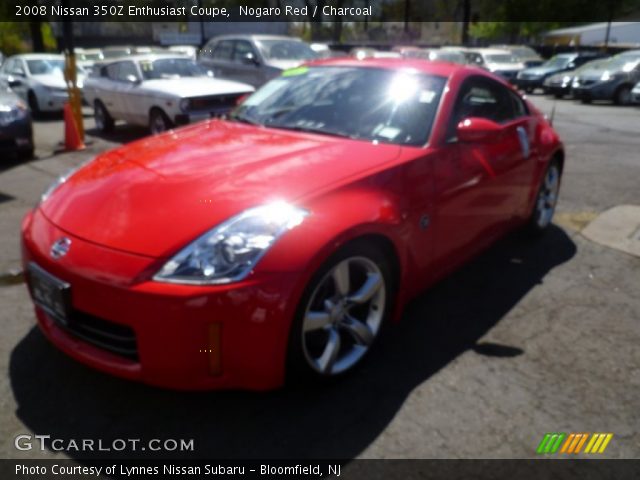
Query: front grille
column 218, row 103
column 113, row 337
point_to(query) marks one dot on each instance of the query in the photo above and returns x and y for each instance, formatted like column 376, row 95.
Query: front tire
column 159, row 122
column 104, row 121
column 341, row 313
column 34, row 106
column 623, row 96
column 546, row 199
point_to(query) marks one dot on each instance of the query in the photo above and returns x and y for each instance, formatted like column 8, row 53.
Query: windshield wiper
column 243, row 119
column 299, row 128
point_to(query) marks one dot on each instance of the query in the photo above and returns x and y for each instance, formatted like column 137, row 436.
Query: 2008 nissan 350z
column 230, row 253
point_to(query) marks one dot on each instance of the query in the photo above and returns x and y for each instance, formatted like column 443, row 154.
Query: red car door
column 479, row 185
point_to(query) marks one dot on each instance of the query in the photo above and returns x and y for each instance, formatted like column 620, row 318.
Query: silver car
column 609, row 80
column 254, row 59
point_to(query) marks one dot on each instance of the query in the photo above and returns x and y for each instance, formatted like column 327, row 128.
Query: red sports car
column 230, row 253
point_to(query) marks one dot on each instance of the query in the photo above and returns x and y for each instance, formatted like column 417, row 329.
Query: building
column 595, row 34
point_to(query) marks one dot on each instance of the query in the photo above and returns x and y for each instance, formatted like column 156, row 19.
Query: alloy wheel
column 548, row 197
column 343, row 316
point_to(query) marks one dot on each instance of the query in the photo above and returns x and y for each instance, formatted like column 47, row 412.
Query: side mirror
column 249, row 59
column 478, row 130
column 133, row 79
column 14, row 82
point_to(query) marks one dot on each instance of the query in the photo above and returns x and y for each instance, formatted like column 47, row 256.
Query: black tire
column 159, row 122
column 537, row 225
column 299, row 365
column 622, row 96
column 32, row 100
column 26, row 154
column 104, row 120
column 559, row 96
column 529, row 89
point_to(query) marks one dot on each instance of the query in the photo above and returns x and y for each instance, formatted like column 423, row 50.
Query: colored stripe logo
column 574, row 443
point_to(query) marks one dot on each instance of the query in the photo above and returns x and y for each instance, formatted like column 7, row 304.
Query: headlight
column 60, row 180
column 12, row 113
column 606, row 76
column 184, row 104
column 228, row 252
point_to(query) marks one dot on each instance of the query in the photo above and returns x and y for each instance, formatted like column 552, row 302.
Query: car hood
column 154, row 196
column 51, row 80
column 195, row 86
column 285, row 64
column 505, row 67
column 540, row 71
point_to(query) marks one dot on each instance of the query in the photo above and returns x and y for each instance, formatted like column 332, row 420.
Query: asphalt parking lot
column 532, row 337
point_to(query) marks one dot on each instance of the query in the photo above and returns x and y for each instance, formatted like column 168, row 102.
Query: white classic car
column 39, row 79
column 159, row 91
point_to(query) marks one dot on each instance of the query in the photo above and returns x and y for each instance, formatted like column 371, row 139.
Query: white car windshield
column 171, row 68
column 286, row 50
column 42, row 67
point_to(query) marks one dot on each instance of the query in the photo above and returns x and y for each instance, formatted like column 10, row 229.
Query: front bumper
column 17, row 136
column 525, row 83
column 52, row 101
column 595, row 91
column 186, row 337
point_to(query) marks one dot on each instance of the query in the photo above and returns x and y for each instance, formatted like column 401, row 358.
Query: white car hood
column 55, row 80
column 194, row 86
column 505, row 67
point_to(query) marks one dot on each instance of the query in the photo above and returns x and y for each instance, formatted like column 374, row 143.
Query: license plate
column 50, row 293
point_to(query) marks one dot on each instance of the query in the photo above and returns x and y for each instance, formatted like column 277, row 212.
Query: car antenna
column 553, row 114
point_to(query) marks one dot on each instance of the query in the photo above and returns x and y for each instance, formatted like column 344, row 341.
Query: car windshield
column 557, row 61
column 115, row 52
column 42, row 66
column 170, row 68
column 621, row 63
column 90, row 57
column 361, row 103
column 501, row 58
column 286, row 50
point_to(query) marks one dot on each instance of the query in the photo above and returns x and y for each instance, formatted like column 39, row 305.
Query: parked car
column 16, row 135
column 559, row 85
column 527, row 55
column 254, row 59
column 188, row 50
column 281, row 239
column 533, row 78
column 38, row 79
column 610, row 80
column 87, row 58
column 500, row 62
column 635, row 93
column 159, row 91
column 438, row 55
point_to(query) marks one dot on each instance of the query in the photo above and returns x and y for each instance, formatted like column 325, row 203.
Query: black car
column 532, row 78
column 16, row 135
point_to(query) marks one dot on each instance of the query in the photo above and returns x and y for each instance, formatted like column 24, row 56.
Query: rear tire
column 159, row 122
column 104, row 121
column 341, row 313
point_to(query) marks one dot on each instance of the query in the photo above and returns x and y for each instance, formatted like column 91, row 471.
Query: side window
column 223, row 50
column 519, row 107
column 482, row 97
column 241, row 49
column 112, row 71
column 127, row 70
column 207, row 51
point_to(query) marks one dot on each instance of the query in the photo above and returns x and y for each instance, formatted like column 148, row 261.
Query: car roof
column 39, row 56
column 143, row 56
column 492, row 51
column 439, row 68
column 244, row 36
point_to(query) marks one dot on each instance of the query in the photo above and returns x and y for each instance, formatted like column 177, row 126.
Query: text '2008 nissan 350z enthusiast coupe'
column 233, row 252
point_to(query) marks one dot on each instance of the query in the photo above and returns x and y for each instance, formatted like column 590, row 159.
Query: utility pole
column 466, row 18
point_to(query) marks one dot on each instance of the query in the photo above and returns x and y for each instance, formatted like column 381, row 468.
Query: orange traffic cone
column 72, row 140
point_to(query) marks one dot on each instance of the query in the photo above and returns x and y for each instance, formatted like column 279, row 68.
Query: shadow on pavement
column 120, row 134
column 59, row 397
